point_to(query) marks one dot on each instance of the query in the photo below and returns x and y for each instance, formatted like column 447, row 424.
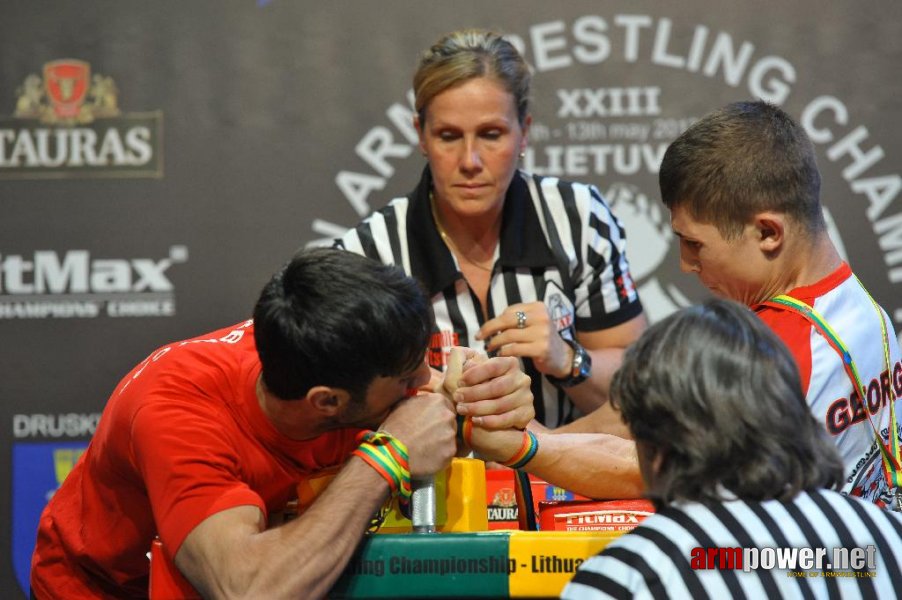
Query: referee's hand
column 526, row 330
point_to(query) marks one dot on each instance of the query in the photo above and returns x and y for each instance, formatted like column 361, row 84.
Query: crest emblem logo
column 66, row 83
column 504, row 497
column 67, row 95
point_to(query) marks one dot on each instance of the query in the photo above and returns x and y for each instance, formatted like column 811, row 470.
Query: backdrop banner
column 160, row 160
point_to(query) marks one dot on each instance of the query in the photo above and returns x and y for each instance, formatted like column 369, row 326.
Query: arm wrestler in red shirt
column 205, row 441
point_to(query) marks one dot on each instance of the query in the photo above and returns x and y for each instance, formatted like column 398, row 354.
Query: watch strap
column 581, row 367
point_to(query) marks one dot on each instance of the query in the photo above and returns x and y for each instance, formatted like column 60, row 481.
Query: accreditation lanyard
column 890, row 451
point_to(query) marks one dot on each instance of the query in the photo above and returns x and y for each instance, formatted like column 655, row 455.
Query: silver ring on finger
column 521, row 319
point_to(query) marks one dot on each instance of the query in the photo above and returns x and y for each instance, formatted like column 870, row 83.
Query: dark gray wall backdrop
column 249, row 129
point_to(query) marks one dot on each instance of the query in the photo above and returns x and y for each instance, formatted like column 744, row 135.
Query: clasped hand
column 493, row 392
column 495, row 395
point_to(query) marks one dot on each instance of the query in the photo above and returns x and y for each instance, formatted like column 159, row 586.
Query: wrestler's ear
column 770, row 229
column 328, row 401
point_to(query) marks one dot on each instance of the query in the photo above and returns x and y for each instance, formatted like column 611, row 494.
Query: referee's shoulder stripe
column 367, row 240
column 396, row 229
column 768, row 530
column 745, row 539
column 587, row 585
column 806, row 514
column 838, row 518
column 676, row 558
column 769, row 521
column 835, row 515
column 884, row 527
column 692, row 525
column 810, row 531
column 382, row 235
column 572, row 218
column 650, row 577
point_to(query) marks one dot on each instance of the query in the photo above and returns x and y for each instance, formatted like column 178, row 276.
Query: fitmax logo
column 602, row 519
column 49, row 272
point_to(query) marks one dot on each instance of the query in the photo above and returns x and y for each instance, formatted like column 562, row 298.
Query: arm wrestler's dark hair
column 746, row 158
column 715, row 393
column 331, row 317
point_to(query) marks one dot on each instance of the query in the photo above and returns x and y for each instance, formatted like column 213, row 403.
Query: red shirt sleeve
column 189, row 465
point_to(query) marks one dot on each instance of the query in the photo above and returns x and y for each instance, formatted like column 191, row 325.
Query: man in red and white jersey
column 743, row 188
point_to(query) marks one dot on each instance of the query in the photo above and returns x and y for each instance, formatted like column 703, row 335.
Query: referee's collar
column 523, row 243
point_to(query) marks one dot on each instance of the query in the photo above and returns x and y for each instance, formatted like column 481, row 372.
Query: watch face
column 584, row 369
column 581, row 367
column 577, row 366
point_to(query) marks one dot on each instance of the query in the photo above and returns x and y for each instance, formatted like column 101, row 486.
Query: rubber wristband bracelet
column 388, row 456
column 520, row 453
column 385, row 462
column 465, row 430
column 401, row 456
column 393, row 445
column 527, row 451
column 468, row 431
column 379, row 465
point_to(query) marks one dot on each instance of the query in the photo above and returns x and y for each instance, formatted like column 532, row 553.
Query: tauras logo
column 80, row 147
column 74, row 284
column 502, row 513
column 68, row 123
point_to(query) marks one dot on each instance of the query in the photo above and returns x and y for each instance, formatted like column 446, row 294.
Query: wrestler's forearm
column 593, row 465
column 236, row 558
column 604, row 419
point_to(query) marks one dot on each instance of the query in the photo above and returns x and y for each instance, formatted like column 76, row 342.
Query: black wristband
column 580, row 369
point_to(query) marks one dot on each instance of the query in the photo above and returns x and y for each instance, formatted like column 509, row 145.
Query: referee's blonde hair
column 460, row 56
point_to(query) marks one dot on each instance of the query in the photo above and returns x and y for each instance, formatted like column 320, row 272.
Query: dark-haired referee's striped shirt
column 655, row 560
column 577, row 266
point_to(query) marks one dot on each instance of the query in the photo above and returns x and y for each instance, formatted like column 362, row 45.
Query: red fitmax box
column 593, row 515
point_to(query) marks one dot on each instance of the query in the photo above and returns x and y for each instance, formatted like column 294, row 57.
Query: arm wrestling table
column 460, row 560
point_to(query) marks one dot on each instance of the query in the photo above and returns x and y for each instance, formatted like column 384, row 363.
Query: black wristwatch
column 581, row 368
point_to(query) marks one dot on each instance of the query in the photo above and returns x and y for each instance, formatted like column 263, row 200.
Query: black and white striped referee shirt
column 735, row 549
column 577, row 266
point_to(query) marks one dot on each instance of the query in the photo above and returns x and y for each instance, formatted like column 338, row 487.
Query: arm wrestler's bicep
column 212, row 555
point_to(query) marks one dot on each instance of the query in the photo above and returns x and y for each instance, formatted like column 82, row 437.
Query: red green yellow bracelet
column 388, row 456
